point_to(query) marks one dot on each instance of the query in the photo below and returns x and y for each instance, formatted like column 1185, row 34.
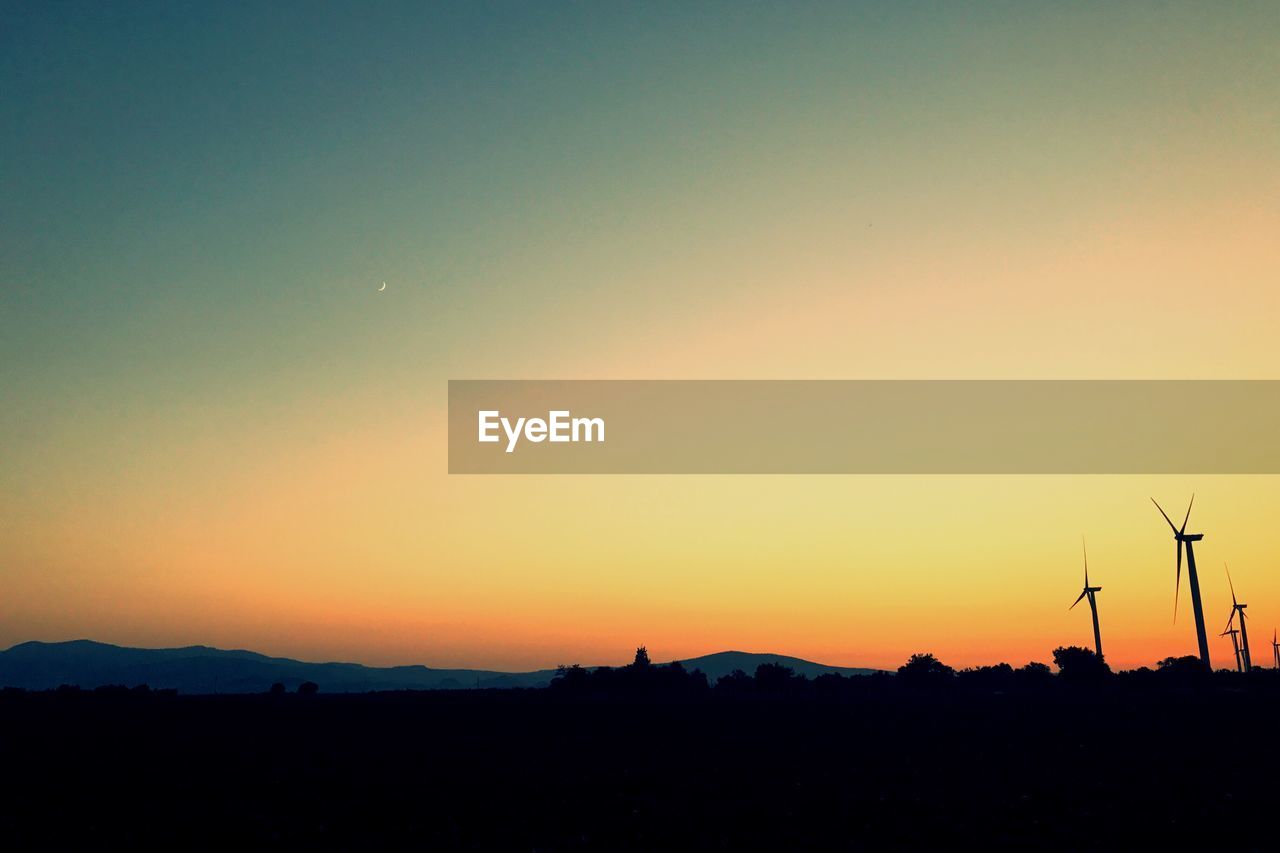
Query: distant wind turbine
column 1237, row 607
column 1235, row 645
column 1091, row 593
column 1183, row 539
column 1275, row 648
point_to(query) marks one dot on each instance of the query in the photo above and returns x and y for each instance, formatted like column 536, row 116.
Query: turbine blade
column 1086, row 561
column 1188, row 518
column 1077, row 601
column 1230, row 584
column 1166, row 516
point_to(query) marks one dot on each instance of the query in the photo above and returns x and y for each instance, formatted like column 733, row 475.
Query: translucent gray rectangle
column 866, row 427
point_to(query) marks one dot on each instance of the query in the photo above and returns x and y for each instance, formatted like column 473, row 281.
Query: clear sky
column 214, row 430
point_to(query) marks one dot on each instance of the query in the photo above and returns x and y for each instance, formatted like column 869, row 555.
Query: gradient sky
column 214, row 430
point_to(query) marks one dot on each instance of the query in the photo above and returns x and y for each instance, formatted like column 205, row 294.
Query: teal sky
column 205, row 184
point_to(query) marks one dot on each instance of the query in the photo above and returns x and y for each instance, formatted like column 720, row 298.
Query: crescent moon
column 384, row 287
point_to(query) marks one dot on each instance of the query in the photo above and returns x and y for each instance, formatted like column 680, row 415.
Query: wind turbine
column 1182, row 539
column 1091, row 592
column 1235, row 645
column 1275, row 648
column 1237, row 607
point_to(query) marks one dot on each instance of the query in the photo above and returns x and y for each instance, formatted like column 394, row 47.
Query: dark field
column 1080, row 767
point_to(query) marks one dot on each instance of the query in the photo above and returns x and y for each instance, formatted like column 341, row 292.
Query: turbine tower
column 1235, row 645
column 1091, row 593
column 1237, row 607
column 1275, row 648
column 1182, row 539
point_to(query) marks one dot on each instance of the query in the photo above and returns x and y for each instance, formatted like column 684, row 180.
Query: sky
column 215, row 430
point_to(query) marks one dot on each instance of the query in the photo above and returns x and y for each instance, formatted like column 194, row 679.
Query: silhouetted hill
column 722, row 663
column 202, row 669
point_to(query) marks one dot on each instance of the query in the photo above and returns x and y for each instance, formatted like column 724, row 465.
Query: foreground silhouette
column 648, row 757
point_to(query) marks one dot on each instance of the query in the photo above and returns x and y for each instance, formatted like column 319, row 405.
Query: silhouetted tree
column 277, row 689
column 111, row 690
column 308, row 688
column 1143, row 678
column 830, row 684
column 1034, row 674
column 776, row 678
column 995, row 677
column 674, row 678
column 1185, row 668
column 571, row 678
column 736, row 682
column 697, row 680
column 1183, row 662
column 924, row 669
column 1080, row 664
column 640, row 676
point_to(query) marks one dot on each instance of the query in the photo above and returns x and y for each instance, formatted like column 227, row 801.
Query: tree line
column 1075, row 666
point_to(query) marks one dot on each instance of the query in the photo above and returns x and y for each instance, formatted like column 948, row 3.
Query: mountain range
column 202, row 669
